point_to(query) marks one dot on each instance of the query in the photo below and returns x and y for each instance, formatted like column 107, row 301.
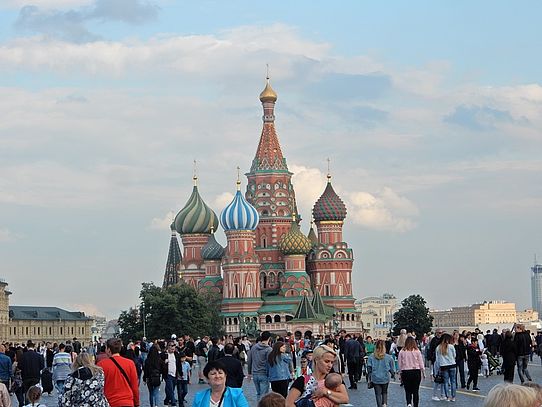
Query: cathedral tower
column 194, row 223
column 241, row 265
column 174, row 258
column 271, row 192
column 330, row 261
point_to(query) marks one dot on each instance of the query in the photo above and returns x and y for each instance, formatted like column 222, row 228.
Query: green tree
column 413, row 316
column 177, row 310
column 131, row 324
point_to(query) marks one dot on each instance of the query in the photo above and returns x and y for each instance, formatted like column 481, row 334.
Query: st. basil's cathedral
column 270, row 274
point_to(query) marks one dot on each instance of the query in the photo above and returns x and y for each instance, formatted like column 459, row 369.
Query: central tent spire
column 269, row 155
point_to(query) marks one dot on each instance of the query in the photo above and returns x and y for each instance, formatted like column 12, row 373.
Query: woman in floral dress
column 84, row 387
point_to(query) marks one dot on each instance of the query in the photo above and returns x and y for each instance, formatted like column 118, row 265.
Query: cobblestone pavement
column 358, row 398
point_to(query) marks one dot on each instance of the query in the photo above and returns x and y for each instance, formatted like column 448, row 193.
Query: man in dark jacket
column 352, row 354
column 496, row 340
column 431, row 353
column 214, row 352
column 234, row 369
column 31, row 365
column 523, row 342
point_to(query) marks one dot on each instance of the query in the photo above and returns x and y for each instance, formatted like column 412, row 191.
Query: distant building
column 48, row 324
column 20, row 323
column 377, row 314
column 495, row 313
column 536, row 287
column 112, row 330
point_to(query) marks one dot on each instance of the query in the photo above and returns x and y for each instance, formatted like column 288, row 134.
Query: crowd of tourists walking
column 293, row 370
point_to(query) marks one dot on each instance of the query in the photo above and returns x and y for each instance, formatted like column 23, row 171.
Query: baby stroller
column 494, row 363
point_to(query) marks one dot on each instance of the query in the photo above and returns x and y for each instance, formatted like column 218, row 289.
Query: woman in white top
column 445, row 354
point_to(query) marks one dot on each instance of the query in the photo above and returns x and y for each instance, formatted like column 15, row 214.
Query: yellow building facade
column 487, row 313
column 40, row 324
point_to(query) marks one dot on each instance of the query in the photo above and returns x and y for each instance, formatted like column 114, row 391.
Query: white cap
column 173, row 336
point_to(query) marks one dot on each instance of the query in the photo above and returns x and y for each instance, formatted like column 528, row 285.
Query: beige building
column 42, row 324
column 377, row 314
column 20, row 323
column 500, row 313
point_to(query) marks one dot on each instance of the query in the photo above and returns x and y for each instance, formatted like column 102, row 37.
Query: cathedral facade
column 270, row 274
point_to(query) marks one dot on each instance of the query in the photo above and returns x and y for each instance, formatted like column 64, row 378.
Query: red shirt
column 117, row 391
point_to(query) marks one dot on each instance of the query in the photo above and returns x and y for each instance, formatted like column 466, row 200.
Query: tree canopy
column 179, row 309
column 413, row 316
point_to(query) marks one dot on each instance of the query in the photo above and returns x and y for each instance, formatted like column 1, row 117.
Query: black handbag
column 439, row 378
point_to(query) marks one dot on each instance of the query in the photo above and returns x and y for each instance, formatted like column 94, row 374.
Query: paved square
column 359, row 398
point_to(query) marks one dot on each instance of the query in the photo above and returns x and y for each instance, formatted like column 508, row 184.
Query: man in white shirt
column 171, row 357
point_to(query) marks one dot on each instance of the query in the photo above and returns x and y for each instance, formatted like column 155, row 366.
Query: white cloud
column 162, row 223
column 383, row 210
column 88, row 309
column 54, row 4
column 221, row 201
column 6, row 235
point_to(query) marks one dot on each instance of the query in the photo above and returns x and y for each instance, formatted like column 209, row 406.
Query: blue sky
column 430, row 112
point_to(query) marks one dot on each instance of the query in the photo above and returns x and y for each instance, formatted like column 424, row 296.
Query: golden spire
column 268, row 94
column 238, row 178
column 328, row 170
column 195, row 176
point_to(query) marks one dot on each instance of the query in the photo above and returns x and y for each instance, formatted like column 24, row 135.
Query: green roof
column 17, row 312
column 305, row 310
column 317, row 303
column 270, row 308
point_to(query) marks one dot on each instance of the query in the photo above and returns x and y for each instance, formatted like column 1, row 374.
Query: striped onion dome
column 212, row 250
column 196, row 216
column 239, row 214
column 329, row 206
column 295, row 242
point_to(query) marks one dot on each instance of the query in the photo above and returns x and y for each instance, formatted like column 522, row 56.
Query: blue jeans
column 182, row 390
column 154, row 395
column 449, row 379
column 171, row 381
column 522, row 362
column 261, row 382
column 59, row 385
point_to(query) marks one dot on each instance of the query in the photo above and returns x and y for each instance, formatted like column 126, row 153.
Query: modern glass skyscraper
column 536, row 287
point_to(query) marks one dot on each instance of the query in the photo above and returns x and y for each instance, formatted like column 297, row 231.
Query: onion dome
column 239, row 214
column 212, row 250
column 329, row 206
column 295, row 242
column 196, row 216
column 268, row 94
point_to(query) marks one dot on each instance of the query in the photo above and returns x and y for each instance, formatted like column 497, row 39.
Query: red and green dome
column 329, row 207
column 295, row 242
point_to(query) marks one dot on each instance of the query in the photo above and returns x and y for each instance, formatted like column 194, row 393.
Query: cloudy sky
column 430, row 112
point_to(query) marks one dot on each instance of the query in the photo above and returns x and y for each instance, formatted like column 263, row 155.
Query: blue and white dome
column 239, row 214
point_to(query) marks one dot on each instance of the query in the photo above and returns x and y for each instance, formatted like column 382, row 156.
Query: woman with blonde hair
column 512, row 395
column 445, row 354
column 313, row 386
column 84, row 387
column 380, row 366
column 412, row 370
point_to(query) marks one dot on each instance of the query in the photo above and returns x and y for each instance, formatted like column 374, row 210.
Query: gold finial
column 294, row 218
column 212, row 229
column 195, row 176
column 238, row 178
column 328, row 170
column 268, row 94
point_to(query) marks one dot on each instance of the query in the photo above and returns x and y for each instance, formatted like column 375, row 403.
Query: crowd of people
column 293, row 370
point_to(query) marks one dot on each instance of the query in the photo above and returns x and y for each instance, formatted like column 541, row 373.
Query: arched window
column 263, row 281
column 271, row 279
column 264, row 241
column 353, row 317
column 348, row 317
column 342, row 317
column 235, row 321
column 229, row 321
column 277, row 318
column 268, row 319
column 289, row 318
